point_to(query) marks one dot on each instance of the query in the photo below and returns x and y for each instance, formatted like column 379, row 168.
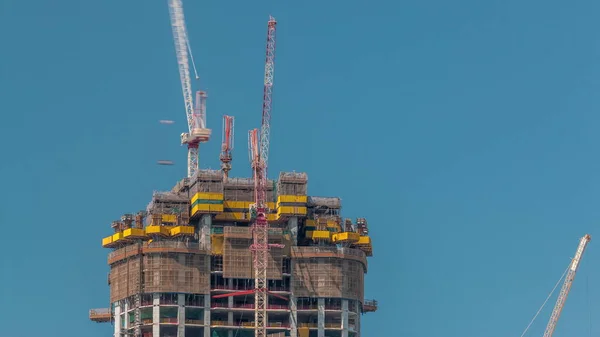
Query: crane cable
column 546, row 301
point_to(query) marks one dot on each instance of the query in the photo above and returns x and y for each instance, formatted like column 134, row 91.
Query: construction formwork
column 328, row 272
column 237, row 256
column 292, row 183
column 168, row 208
column 206, row 181
column 177, row 272
column 163, row 266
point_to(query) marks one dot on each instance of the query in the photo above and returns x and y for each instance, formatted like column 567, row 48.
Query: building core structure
column 174, row 265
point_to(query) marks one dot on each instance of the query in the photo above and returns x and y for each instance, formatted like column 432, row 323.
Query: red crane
column 259, row 156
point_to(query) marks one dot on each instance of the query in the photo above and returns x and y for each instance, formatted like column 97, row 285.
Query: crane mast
column 258, row 146
column 566, row 287
column 265, row 129
column 226, row 146
column 259, row 153
column 196, row 117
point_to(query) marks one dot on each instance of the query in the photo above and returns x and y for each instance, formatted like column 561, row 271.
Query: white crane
column 196, row 117
column 564, row 291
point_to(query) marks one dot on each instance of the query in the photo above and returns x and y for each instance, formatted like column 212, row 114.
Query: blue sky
column 465, row 131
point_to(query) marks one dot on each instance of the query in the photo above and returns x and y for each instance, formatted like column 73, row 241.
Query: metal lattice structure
column 226, row 146
column 564, row 291
column 196, row 116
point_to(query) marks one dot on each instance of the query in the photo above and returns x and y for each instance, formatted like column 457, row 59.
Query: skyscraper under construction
column 235, row 257
column 174, row 266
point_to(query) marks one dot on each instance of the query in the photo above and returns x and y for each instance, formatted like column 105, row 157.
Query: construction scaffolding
column 206, row 181
column 124, row 278
column 237, row 260
column 242, row 189
column 328, row 272
column 168, row 208
column 177, row 272
column 292, row 183
column 167, row 266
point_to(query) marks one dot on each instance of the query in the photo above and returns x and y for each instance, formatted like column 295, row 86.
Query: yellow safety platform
column 206, row 196
column 117, row 236
column 241, row 216
column 107, row 242
column 158, row 230
column 346, row 237
column 207, row 203
column 169, row 218
column 233, row 216
column 283, row 211
column 134, row 233
column 320, row 235
column 292, row 199
column 216, row 244
column 182, row 230
column 231, row 206
column 291, row 205
column 364, row 244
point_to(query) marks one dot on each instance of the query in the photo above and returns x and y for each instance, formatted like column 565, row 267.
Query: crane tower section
column 196, row 118
column 227, row 146
column 265, row 129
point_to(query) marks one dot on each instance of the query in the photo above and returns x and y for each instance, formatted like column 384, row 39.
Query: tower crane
column 566, row 287
column 226, row 146
column 196, row 116
column 260, row 158
column 259, row 154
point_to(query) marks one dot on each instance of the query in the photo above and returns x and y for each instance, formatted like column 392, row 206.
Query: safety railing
column 194, row 321
column 225, row 287
column 248, row 306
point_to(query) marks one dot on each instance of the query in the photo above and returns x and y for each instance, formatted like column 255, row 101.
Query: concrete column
column 126, row 307
column 321, row 317
column 117, row 313
column 293, row 316
column 358, row 313
column 181, row 315
column 344, row 318
column 155, row 315
column 207, row 315
column 204, row 229
column 292, row 226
